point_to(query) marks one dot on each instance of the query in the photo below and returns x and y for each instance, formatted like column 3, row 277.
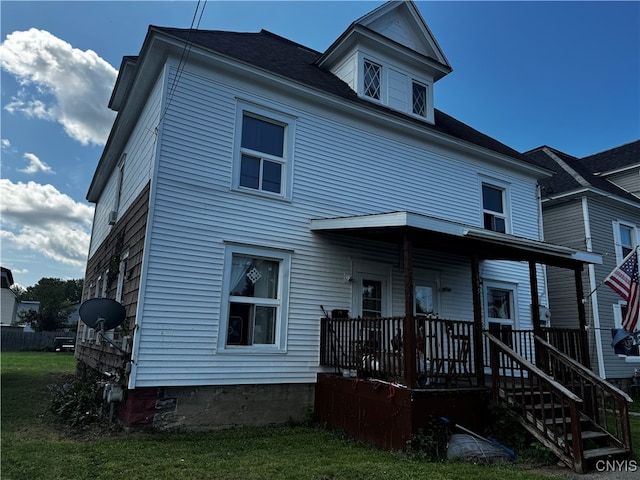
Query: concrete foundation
column 214, row 407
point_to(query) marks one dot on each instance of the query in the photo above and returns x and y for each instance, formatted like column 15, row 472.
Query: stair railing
column 547, row 409
column 604, row 404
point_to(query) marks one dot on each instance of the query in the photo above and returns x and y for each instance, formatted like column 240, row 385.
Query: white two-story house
column 250, row 184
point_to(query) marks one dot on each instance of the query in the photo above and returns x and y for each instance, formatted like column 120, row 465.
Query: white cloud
column 72, row 87
column 6, row 143
column 35, row 165
column 39, row 218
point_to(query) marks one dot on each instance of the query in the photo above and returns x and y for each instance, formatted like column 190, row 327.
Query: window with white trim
column 264, row 151
column 494, row 210
column 121, row 163
column 419, row 99
column 626, row 239
column 500, row 309
column 372, row 76
column 256, row 293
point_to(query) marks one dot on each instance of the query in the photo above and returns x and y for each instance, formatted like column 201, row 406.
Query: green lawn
column 35, row 446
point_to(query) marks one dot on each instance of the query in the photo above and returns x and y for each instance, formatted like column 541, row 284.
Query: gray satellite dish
column 102, row 313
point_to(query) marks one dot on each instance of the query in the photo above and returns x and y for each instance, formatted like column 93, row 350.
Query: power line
column 183, row 57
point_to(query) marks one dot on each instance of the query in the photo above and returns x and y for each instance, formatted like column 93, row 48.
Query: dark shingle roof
column 563, row 181
column 613, row 159
column 296, row 62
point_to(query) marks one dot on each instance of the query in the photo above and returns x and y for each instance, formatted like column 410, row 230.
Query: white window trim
column 119, row 182
column 364, row 269
column 506, row 200
column 283, row 257
column 384, row 96
column 121, row 275
column 513, row 287
column 276, row 116
column 617, row 241
column 427, row 105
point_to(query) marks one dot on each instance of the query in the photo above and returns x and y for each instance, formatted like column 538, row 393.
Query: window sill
column 251, row 350
column 261, row 194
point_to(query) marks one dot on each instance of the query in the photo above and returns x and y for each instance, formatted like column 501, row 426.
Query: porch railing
column 374, row 347
column 548, row 410
column 604, row 405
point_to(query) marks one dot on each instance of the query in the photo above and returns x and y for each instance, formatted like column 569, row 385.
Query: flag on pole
column 624, row 281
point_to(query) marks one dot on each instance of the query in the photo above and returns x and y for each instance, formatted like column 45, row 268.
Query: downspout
column 593, row 288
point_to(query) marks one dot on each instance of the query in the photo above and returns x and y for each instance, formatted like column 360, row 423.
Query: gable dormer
column 390, row 57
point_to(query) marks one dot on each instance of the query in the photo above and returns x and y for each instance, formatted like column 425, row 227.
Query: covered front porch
column 386, row 378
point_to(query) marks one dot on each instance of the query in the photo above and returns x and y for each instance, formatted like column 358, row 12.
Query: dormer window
column 372, row 79
column 419, row 99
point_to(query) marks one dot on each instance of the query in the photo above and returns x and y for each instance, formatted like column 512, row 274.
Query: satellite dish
column 102, row 313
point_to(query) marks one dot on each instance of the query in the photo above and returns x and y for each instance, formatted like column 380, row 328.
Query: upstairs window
column 264, row 144
column 419, row 97
column 262, row 154
column 493, row 208
column 372, row 79
column 627, row 243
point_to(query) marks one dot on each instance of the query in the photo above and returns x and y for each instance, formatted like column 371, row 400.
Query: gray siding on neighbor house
column 564, row 225
column 603, row 213
column 628, row 180
column 342, row 166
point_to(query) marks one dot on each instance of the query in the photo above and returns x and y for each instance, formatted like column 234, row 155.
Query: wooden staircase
column 573, row 412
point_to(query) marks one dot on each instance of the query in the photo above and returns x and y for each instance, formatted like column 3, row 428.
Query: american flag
column 624, row 281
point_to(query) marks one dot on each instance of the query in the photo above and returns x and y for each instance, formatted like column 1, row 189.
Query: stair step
column 604, row 452
column 588, row 435
column 557, row 421
column 545, row 406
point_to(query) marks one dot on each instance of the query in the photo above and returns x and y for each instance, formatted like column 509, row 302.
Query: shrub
column 78, row 401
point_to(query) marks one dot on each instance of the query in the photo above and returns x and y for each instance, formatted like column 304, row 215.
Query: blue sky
column 563, row 74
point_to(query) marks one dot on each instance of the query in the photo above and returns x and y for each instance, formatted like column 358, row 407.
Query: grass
column 36, row 446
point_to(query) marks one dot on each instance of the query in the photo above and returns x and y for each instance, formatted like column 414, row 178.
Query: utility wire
column 183, row 57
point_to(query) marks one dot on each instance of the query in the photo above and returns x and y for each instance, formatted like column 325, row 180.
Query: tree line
column 57, row 301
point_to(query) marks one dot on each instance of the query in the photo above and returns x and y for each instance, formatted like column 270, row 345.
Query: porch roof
column 451, row 237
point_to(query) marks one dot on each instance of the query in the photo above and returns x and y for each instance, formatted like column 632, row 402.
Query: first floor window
column 500, row 312
column 256, row 298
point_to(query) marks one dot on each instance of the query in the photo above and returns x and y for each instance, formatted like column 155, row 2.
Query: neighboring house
column 8, row 301
column 593, row 204
column 23, row 307
column 249, row 182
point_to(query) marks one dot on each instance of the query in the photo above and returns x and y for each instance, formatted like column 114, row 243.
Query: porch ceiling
column 449, row 237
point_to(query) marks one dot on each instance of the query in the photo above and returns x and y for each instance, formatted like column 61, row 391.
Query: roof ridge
column 566, row 167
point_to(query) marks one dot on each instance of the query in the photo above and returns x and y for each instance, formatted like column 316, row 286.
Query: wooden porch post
column 582, row 318
column 535, row 307
column 409, row 324
column 477, row 319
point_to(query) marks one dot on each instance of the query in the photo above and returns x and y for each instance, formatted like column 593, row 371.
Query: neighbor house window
column 493, row 208
column 257, row 295
column 626, row 239
column 372, row 79
column 264, row 158
column 419, row 99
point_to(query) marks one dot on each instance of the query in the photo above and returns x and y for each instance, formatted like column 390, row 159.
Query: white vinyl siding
column 139, row 159
column 342, row 167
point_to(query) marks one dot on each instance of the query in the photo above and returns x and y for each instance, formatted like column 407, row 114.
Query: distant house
column 593, row 204
column 8, row 300
column 277, row 221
